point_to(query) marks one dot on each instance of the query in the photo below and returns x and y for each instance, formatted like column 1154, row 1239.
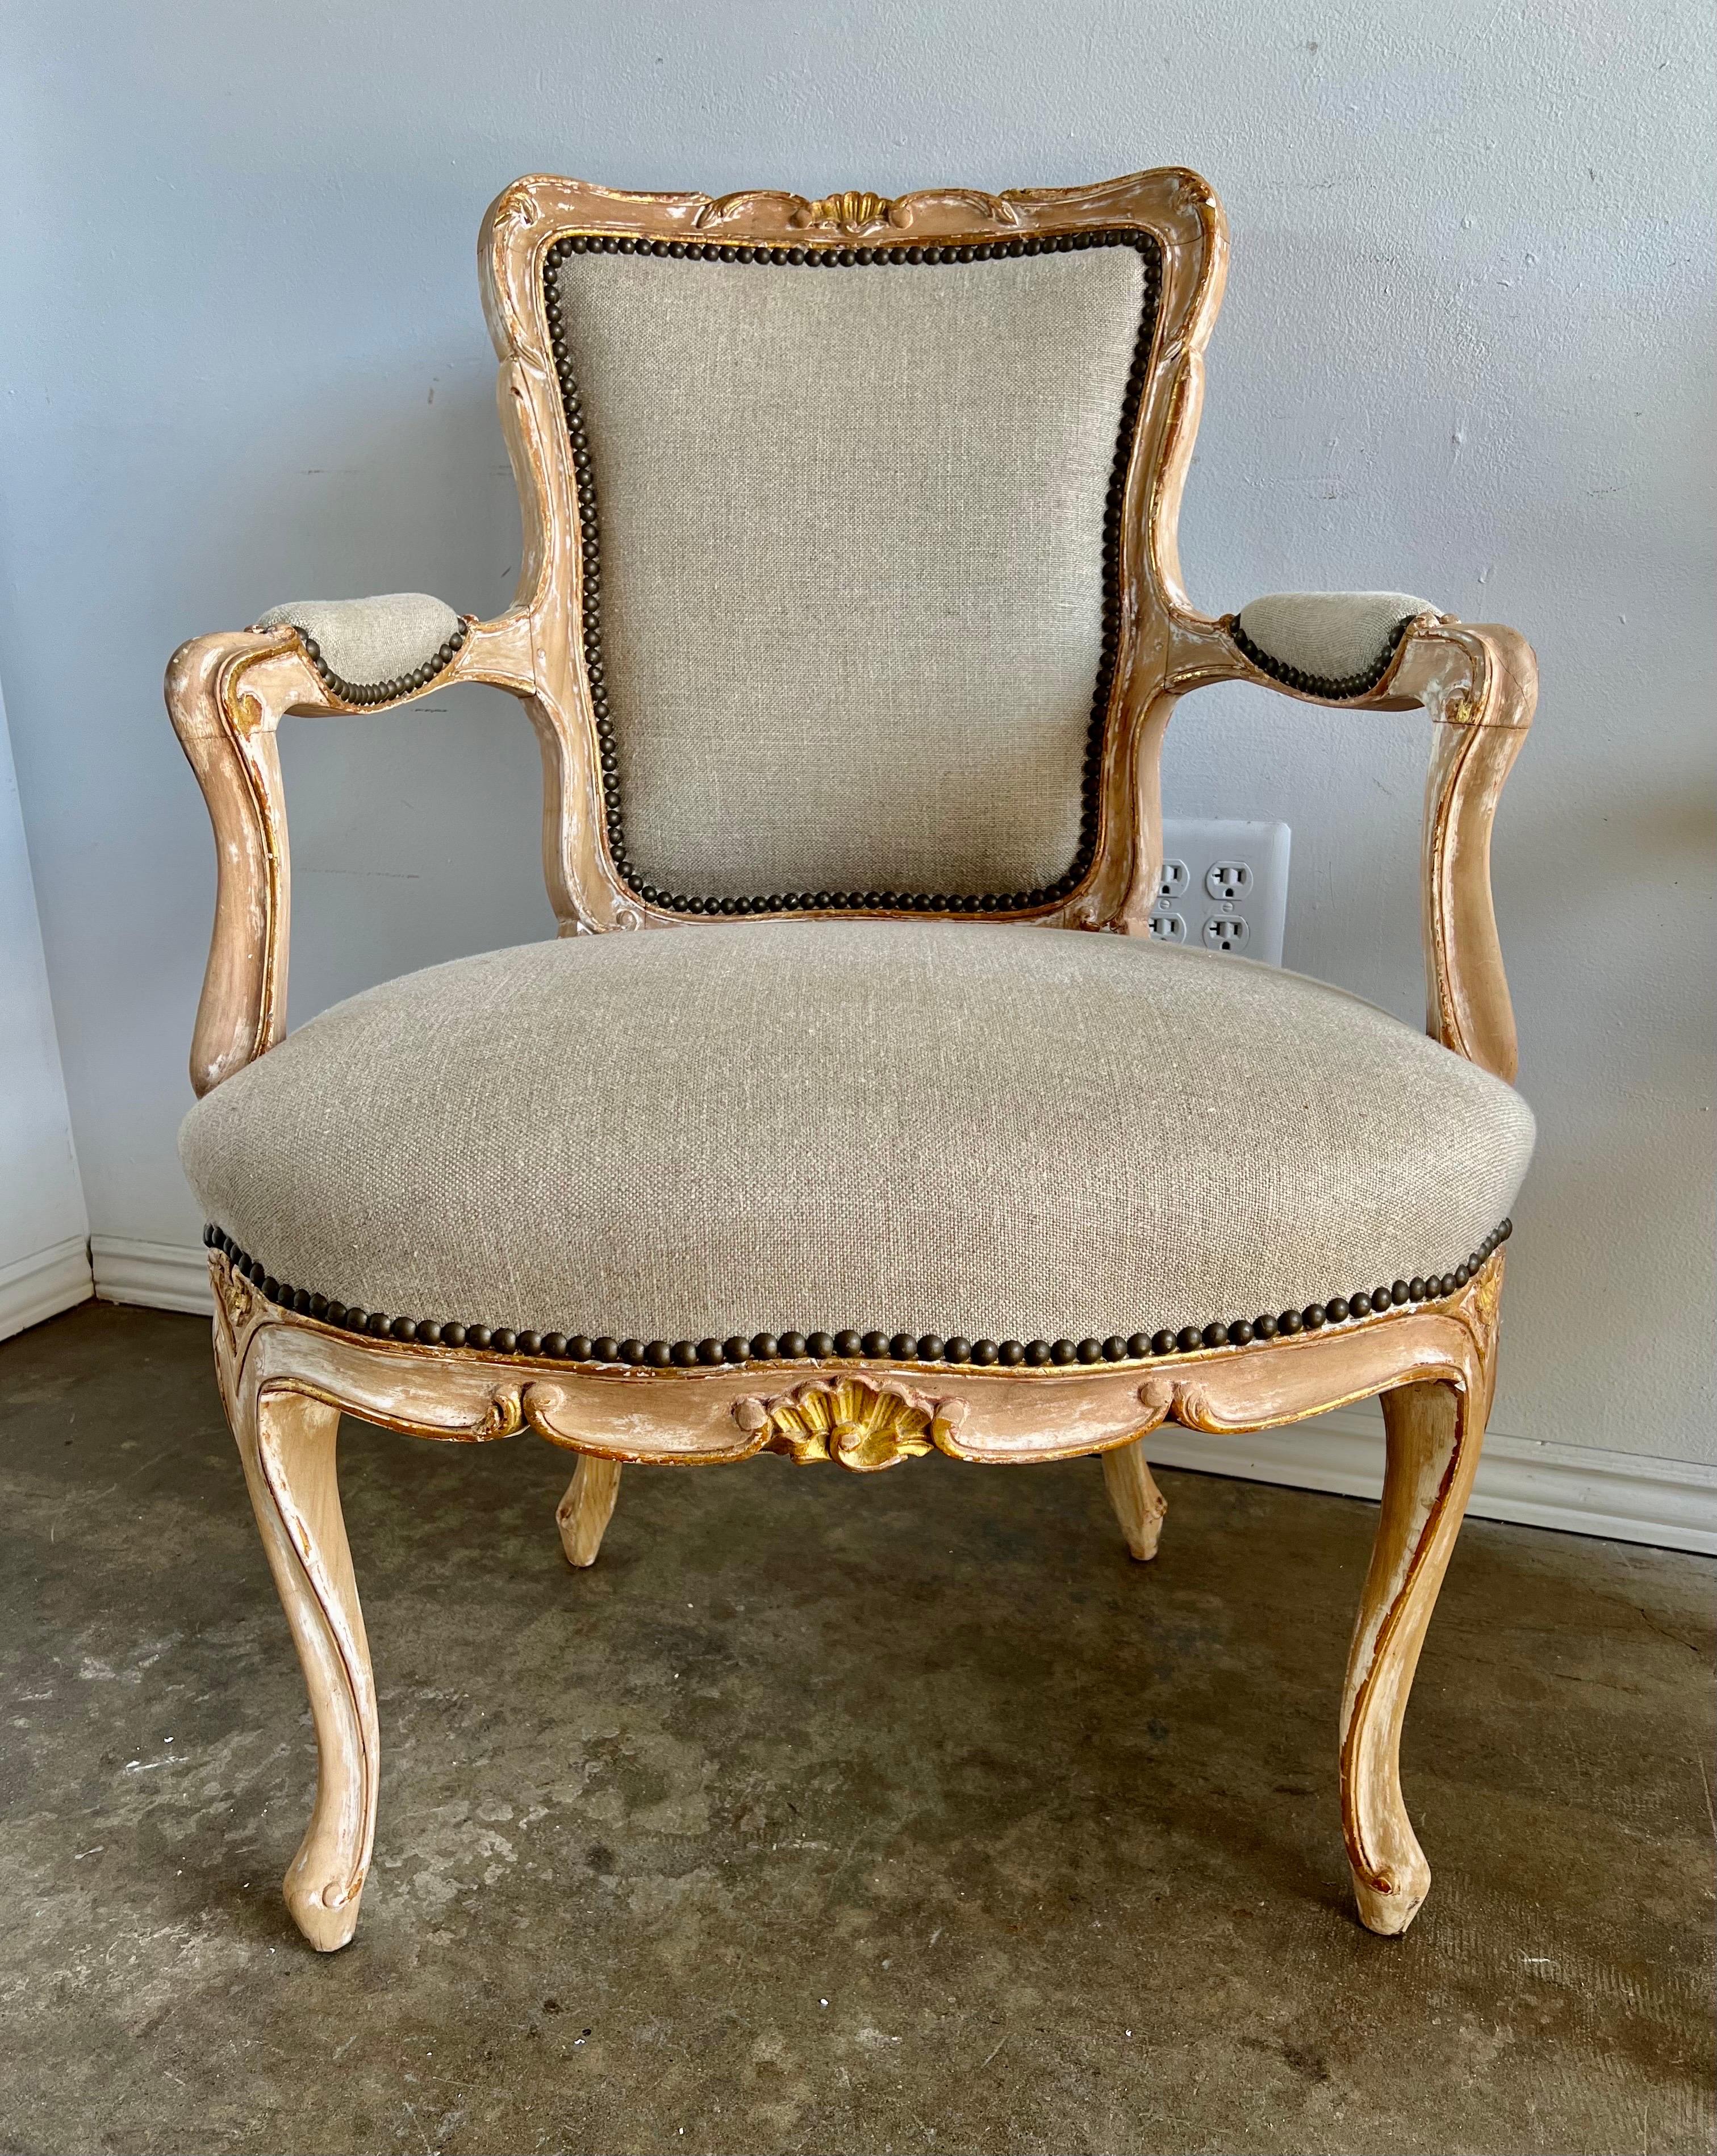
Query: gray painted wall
column 41, row 1200
column 1466, row 351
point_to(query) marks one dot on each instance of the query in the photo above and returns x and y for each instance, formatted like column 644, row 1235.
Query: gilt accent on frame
column 862, row 1427
column 856, row 210
column 236, row 1301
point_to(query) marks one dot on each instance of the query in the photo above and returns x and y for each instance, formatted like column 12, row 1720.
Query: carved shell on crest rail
column 854, row 211
column 860, row 1426
column 857, row 210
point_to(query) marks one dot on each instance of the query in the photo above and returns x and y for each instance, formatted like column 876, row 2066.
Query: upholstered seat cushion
column 1004, row 1132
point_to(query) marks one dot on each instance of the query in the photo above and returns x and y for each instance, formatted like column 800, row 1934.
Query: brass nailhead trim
column 851, row 1345
column 891, row 255
column 382, row 692
column 1332, row 685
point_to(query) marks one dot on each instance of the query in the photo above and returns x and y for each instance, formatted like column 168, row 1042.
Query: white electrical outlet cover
column 1225, row 884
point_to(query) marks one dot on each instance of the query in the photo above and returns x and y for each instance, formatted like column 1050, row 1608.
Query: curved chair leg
column 583, row 1514
column 287, row 1442
column 1434, row 1436
column 1139, row 1504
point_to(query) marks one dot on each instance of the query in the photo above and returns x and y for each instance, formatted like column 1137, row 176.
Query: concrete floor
column 825, row 1814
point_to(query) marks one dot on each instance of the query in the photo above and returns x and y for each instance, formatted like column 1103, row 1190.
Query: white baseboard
column 1626, row 1497
column 44, row 1284
column 160, row 1276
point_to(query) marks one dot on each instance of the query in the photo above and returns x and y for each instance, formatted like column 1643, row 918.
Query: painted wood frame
column 285, row 1379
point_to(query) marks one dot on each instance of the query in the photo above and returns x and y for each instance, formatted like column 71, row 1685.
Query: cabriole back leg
column 1139, row 1504
column 1434, row 1434
column 287, row 1442
column 583, row 1514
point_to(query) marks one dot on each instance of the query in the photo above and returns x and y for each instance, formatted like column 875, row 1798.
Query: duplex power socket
column 1224, row 886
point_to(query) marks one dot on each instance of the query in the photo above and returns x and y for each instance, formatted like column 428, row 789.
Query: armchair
column 849, row 624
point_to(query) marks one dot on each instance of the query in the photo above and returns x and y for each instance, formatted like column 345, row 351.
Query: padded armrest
column 1327, row 644
column 369, row 651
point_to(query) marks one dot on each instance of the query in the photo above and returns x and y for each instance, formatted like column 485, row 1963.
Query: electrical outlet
column 1226, row 931
column 1229, row 879
column 1224, row 886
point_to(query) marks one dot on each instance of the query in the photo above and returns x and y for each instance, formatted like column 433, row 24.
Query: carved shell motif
column 855, row 211
column 860, row 1426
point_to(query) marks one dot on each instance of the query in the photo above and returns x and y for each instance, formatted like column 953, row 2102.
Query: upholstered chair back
column 850, row 587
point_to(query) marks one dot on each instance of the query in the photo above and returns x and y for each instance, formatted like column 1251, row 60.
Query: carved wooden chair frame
column 1429, row 1349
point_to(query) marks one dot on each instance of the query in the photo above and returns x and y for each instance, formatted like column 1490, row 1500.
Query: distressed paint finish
column 286, row 1378
column 1139, row 1504
column 583, row 1514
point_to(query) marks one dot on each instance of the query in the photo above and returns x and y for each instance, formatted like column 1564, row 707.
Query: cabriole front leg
column 287, row 1442
column 1434, row 1436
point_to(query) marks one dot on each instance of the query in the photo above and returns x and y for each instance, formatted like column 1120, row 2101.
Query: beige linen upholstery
column 851, row 538
column 975, row 1128
column 1332, row 635
column 373, row 639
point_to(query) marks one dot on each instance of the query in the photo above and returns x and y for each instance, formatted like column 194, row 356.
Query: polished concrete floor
column 825, row 1813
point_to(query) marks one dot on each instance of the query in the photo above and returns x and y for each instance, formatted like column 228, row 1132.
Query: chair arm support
column 1479, row 683
column 226, row 695
column 1328, row 644
column 372, row 651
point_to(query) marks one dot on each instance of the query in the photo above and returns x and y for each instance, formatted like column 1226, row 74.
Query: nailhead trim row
column 850, row 1346
column 1332, row 685
column 383, row 692
column 889, row 255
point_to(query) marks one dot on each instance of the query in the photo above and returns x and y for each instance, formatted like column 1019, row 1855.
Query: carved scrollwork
column 520, row 212
column 858, row 210
column 860, row 1426
column 1157, row 1395
column 236, row 1301
column 1098, row 919
column 1480, row 1304
column 1189, row 1401
column 991, row 210
column 505, row 1416
column 1183, row 1400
